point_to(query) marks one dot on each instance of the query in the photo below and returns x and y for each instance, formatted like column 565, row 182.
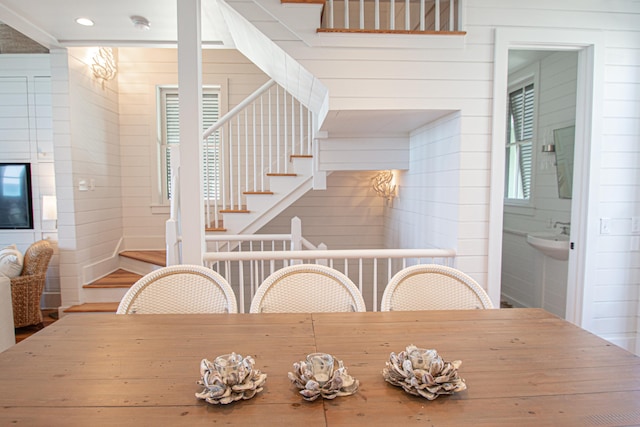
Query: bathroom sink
column 551, row 244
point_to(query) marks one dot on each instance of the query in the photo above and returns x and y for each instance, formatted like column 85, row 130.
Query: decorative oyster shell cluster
column 339, row 384
column 244, row 384
column 434, row 378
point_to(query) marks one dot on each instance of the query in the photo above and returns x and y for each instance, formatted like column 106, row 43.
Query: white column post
column 296, row 234
column 190, row 95
column 322, row 261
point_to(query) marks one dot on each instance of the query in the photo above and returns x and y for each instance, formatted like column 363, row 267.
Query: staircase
column 106, row 292
column 260, row 207
column 257, row 161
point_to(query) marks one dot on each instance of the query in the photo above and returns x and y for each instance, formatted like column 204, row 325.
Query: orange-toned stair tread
column 118, row 279
column 94, row 307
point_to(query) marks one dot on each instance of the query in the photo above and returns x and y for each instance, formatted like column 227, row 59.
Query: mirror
column 563, row 139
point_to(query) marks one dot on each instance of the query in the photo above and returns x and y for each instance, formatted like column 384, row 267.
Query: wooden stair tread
column 301, row 156
column 282, row 174
column 234, row 211
column 152, row 257
column 304, row 1
column 214, row 229
column 118, row 279
column 219, row 228
column 94, row 307
column 258, row 192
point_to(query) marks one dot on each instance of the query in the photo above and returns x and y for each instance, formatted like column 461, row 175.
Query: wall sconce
column 104, row 65
column 50, row 209
column 383, row 185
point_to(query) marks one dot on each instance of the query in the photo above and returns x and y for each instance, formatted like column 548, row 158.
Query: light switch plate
column 605, row 225
column 635, row 224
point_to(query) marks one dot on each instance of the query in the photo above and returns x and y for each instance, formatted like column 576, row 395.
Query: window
column 519, row 147
column 170, row 136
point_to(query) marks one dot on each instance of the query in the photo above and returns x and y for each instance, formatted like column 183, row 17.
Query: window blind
column 521, row 111
column 210, row 115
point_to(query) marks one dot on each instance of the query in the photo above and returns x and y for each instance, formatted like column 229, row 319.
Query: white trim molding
column 589, row 45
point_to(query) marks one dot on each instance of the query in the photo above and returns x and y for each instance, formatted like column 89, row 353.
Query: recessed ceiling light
column 84, row 21
column 140, row 22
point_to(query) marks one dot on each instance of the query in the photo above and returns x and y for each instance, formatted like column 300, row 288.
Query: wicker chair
column 433, row 287
column 26, row 289
column 307, row 288
column 183, row 289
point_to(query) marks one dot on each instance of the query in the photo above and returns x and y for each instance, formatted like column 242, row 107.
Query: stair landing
column 152, row 257
column 120, row 278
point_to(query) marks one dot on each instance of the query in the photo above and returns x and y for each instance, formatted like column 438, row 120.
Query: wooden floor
column 49, row 316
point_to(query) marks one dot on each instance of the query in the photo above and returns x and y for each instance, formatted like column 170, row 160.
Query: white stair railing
column 254, row 140
column 392, row 15
column 261, row 242
column 369, row 269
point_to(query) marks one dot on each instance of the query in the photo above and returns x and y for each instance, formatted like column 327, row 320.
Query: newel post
column 322, row 261
column 296, row 234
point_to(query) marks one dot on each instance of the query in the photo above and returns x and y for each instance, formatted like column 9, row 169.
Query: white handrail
column 240, row 156
column 238, row 108
column 329, row 253
column 366, row 267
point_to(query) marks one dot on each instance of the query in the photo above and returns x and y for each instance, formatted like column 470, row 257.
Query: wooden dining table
column 522, row 367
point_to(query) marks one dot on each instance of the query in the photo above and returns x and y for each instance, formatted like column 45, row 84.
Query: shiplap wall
column 613, row 309
column 543, row 282
column 393, row 73
column 377, row 153
column 612, row 277
column 437, row 75
column 87, row 149
column 427, row 210
column 26, row 136
column 140, row 72
column 347, row 215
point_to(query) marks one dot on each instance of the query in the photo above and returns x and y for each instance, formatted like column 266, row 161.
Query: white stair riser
column 258, row 202
column 261, row 206
column 303, row 166
column 103, row 294
column 282, row 185
column 138, row 267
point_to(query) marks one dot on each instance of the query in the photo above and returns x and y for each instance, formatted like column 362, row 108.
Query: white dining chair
column 433, row 287
column 307, row 288
column 179, row 289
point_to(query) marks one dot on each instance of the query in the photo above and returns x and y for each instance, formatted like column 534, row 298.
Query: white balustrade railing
column 261, row 242
column 369, row 269
column 292, row 241
column 255, row 139
column 392, row 15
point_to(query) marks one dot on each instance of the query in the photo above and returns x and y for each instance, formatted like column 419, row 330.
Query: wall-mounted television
column 16, row 208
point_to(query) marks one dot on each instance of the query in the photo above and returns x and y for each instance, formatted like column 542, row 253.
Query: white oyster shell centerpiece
column 340, row 383
column 423, row 373
column 244, row 383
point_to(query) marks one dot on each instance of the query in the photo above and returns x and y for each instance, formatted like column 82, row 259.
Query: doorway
column 541, row 101
column 580, row 285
